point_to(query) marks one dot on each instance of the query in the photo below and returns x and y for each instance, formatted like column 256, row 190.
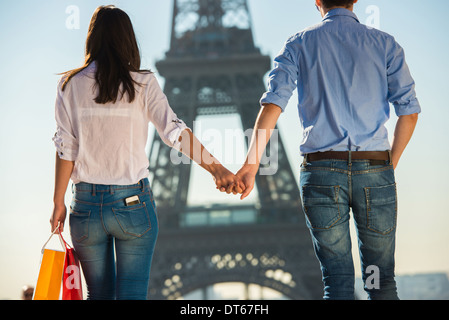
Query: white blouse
column 107, row 141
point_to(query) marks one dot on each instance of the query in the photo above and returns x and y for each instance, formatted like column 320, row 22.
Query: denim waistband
column 94, row 188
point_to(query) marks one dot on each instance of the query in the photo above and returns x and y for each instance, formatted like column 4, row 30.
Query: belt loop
column 349, row 157
column 111, row 189
column 93, row 190
column 389, row 157
column 142, row 185
column 304, row 161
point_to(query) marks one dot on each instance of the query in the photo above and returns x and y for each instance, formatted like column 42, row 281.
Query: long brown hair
column 112, row 44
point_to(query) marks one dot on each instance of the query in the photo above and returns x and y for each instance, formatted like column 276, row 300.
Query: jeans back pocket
column 133, row 220
column 381, row 208
column 321, row 205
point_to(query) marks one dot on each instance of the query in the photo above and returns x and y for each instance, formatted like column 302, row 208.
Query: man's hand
column 246, row 176
column 224, row 179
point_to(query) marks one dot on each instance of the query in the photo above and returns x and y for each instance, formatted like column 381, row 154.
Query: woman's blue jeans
column 329, row 189
column 114, row 241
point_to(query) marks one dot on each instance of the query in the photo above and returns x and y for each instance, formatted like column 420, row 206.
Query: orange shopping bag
column 48, row 286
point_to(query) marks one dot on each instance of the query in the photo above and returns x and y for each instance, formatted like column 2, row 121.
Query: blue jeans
column 329, row 189
column 115, row 242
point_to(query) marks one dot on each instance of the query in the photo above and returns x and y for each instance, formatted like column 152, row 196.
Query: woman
column 102, row 114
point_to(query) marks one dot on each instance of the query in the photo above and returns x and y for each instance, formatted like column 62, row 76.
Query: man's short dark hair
column 337, row 3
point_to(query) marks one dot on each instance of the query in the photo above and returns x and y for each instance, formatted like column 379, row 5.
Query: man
column 346, row 75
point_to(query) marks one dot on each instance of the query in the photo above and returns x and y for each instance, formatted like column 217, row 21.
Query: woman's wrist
column 57, row 202
column 214, row 167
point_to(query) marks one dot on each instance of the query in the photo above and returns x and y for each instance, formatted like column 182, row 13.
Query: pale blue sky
column 35, row 45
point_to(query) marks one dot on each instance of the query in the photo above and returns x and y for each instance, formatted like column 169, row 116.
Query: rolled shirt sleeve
column 64, row 139
column 166, row 122
column 282, row 79
column 401, row 86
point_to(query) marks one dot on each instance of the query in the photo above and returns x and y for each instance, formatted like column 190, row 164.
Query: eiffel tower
column 214, row 68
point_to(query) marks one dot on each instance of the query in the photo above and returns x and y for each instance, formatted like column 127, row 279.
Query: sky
column 38, row 40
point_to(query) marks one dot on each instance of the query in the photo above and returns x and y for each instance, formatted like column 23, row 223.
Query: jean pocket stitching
column 76, row 214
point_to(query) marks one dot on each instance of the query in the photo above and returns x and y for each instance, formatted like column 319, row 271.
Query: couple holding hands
column 346, row 75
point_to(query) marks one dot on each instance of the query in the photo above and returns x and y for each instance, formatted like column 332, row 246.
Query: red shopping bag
column 71, row 279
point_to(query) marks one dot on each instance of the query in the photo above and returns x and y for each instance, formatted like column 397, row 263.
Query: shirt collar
column 93, row 64
column 340, row 12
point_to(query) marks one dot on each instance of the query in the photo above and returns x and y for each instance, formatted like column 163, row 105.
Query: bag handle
column 61, row 239
column 67, row 246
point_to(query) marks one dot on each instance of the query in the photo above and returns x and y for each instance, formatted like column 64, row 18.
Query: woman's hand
column 58, row 216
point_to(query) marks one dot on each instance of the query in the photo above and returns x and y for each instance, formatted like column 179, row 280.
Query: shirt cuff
column 173, row 131
column 271, row 97
column 66, row 150
column 407, row 108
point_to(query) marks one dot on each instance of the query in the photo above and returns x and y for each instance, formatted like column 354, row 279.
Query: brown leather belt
column 346, row 155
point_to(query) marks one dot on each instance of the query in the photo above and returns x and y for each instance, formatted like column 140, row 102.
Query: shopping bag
column 48, row 286
column 71, row 281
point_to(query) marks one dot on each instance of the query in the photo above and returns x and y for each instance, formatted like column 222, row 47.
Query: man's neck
column 324, row 10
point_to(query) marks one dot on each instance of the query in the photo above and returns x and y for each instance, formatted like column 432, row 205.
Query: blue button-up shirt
column 346, row 74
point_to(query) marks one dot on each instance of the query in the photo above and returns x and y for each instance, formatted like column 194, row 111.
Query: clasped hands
column 240, row 183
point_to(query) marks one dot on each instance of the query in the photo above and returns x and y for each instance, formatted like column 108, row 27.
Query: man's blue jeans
column 99, row 221
column 329, row 189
